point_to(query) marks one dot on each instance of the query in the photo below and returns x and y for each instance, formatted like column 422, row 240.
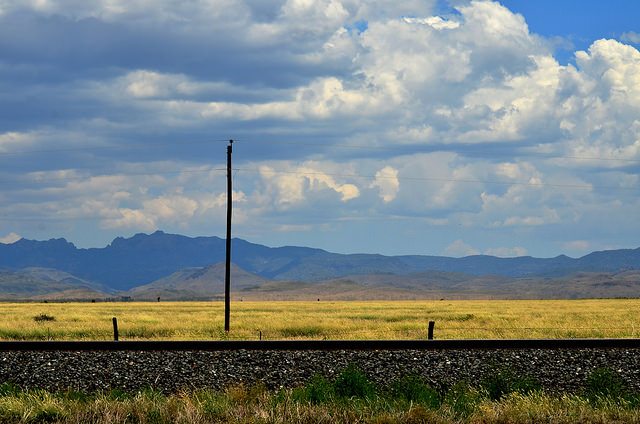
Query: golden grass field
column 462, row 319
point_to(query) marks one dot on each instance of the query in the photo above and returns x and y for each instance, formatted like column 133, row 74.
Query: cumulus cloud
column 291, row 187
column 177, row 210
column 506, row 252
column 10, row 238
column 460, row 249
column 577, row 245
column 386, row 180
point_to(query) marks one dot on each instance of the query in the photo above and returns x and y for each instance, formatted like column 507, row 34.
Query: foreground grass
column 323, row 320
column 350, row 398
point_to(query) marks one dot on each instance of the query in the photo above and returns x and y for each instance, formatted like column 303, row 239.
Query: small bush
column 9, row 389
column 352, row 383
column 118, row 395
column 43, row 318
column 463, row 399
column 75, row 395
column 48, row 415
column 317, row 391
column 155, row 416
column 415, row 389
column 526, row 385
column 214, row 405
column 503, row 383
column 604, row 383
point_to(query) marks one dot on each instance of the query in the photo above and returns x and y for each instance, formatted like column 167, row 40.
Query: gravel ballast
column 170, row 371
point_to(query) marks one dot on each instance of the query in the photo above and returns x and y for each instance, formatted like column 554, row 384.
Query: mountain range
column 179, row 267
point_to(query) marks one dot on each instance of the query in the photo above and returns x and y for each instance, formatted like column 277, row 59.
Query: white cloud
column 384, row 9
column 437, row 183
column 517, row 171
column 519, row 206
column 507, row 252
column 10, row 238
column 460, row 249
column 14, row 141
column 293, row 187
column 386, row 180
column 577, row 245
column 617, row 67
column 169, row 210
column 327, row 14
column 435, row 22
column 131, row 218
column 322, row 99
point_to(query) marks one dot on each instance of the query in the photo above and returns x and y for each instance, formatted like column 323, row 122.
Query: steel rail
column 300, row 345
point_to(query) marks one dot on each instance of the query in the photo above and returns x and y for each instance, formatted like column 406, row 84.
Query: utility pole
column 227, row 273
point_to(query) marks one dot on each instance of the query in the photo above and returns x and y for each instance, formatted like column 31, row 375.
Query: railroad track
column 328, row 345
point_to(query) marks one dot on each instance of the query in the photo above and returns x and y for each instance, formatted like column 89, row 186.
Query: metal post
column 430, row 334
column 227, row 273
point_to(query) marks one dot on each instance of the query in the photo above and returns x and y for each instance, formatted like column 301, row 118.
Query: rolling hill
column 196, row 283
column 45, row 283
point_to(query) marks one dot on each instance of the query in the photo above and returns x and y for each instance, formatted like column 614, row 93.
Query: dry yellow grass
column 320, row 320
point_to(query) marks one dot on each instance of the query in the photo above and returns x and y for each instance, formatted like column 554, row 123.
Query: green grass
column 323, row 320
column 349, row 397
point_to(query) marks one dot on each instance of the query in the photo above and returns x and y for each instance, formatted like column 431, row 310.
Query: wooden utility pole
column 227, row 272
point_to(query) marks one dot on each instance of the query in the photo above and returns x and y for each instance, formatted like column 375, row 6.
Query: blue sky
column 578, row 22
column 419, row 127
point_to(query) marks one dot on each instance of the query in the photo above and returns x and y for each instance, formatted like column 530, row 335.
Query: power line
column 434, row 179
column 116, row 147
column 339, row 175
column 118, row 174
column 440, row 149
column 437, row 149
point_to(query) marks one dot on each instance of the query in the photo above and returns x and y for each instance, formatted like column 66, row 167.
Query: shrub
column 504, row 382
column 214, row 405
column 9, row 389
column 415, row 389
column 317, row 391
column 43, row 318
column 75, row 395
column 118, row 395
column 352, row 383
column 48, row 415
column 604, row 383
column 462, row 398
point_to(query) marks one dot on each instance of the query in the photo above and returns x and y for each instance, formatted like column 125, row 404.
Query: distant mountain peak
column 145, row 258
column 52, row 243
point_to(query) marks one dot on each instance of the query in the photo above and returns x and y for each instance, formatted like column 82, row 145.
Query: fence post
column 115, row 329
column 430, row 334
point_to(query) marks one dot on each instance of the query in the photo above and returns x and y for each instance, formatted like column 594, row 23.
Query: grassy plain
column 323, row 320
